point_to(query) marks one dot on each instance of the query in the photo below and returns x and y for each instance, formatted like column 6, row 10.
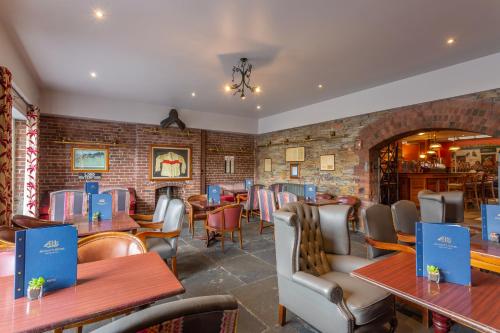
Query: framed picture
column 170, row 162
column 89, row 159
column 268, row 165
column 294, row 170
column 327, row 163
column 295, row 154
column 229, row 164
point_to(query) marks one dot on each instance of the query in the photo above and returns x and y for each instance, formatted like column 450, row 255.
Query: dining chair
column 267, row 207
column 66, row 203
column 7, row 260
column 195, row 214
column 443, row 207
column 225, row 219
column 355, row 203
column 120, row 199
column 147, row 220
column 251, row 204
column 8, row 235
column 286, row 197
column 165, row 242
column 404, row 217
column 106, row 245
column 208, row 314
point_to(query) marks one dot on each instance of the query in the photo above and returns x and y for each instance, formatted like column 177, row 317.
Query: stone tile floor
column 250, row 275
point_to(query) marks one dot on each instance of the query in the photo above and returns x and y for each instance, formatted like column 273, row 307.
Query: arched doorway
column 468, row 114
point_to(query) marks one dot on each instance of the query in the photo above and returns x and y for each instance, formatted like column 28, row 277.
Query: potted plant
column 433, row 273
column 35, row 288
column 96, row 216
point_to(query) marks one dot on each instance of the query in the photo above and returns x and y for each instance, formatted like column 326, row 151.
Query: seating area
column 253, row 167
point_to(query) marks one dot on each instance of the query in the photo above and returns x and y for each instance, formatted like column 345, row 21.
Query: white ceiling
column 159, row 51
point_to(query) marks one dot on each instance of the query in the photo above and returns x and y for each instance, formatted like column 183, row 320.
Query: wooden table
column 104, row 287
column 476, row 307
column 484, row 247
column 119, row 222
column 206, row 206
column 321, row 202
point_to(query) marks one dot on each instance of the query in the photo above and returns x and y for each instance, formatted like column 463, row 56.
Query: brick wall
column 19, row 165
column 355, row 168
column 129, row 160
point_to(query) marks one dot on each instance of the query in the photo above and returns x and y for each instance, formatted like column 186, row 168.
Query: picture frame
column 295, row 154
column 229, row 164
column 89, row 159
column 268, row 165
column 170, row 162
column 294, row 170
column 327, row 162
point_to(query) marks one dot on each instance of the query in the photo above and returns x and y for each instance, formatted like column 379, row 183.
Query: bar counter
column 411, row 183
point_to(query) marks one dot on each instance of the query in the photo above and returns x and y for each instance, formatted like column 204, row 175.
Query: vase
column 433, row 276
column 35, row 293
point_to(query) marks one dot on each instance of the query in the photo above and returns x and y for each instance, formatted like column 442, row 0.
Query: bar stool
column 456, row 183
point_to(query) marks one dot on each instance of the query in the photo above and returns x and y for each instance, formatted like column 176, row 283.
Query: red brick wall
column 129, row 161
column 19, row 165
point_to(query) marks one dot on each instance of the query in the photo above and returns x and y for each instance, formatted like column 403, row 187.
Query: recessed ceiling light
column 421, row 133
column 227, row 88
column 98, row 14
column 258, row 107
column 193, row 94
column 320, row 86
column 93, row 75
column 257, row 89
column 450, row 41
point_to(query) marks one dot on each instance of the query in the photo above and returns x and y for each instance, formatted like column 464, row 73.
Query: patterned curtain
column 5, row 146
column 31, row 194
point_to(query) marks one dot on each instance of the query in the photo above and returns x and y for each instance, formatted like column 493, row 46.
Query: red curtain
column 31, row 194
column 5, row 146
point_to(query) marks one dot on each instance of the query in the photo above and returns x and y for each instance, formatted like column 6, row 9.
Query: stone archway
column 473, row 113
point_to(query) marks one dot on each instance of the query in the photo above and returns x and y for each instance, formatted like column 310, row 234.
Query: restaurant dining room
column 230, row 166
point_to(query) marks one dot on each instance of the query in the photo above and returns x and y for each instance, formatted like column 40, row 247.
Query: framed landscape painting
column 89, row 159
column 169, row 162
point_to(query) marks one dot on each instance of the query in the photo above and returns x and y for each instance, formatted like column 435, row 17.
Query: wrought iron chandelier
column 244, row 70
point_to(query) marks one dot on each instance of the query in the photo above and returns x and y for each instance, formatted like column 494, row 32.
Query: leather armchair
column 164, row 242
column 320, row 291
column 196, row 214
column 155, row 220
column 404, row 216
column 444, row 207
column 8, row 235
column 28, row 222
column 208, row 314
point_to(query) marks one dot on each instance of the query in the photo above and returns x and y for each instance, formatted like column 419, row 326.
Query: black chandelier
column 244, row 68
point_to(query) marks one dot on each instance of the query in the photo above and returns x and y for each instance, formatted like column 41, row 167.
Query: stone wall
column 129, row 160
column 358, row 138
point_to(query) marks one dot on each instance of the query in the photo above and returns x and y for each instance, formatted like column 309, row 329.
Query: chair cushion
column 365, row 301
column 227, row 197
column 161, row 246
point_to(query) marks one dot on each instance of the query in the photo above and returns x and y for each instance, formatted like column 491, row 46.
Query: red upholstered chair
column 286, row 197
column 355, row 203
column 65, row 204
column 323, row 196
column 195, row 214
column 7, row 260
column 225, row 219
column 251, row 202
column 267, row 205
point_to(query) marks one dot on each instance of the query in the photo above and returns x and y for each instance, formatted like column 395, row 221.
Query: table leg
column 441, row 323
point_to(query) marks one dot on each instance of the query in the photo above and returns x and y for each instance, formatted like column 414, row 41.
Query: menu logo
column 51, row 244
column 445, row 240
column 101, row 202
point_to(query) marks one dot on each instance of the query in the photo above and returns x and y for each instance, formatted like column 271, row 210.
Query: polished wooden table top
column 476, row 306
column 119, row 222
column 486, row 248
column 321, row 202
column 205, row 205
column 104, row 287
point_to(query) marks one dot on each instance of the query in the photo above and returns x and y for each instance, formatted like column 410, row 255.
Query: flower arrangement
column 433, row 273
column 35, row 288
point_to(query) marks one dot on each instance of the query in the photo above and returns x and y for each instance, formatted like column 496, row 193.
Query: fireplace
column 170, row 190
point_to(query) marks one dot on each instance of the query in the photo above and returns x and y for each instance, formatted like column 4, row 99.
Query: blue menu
column 102, row 203
column 213, row 194
column 310, row 192
column 248, row 183
column 446, row 246
column 490, row 216
column 92, row 187
column 49, row 252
